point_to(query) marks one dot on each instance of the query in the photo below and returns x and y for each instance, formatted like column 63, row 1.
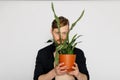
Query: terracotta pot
column 68, row 60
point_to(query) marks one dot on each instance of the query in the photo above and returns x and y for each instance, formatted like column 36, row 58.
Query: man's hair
column 63, row 21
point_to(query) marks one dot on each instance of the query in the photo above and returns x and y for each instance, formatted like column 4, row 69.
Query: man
column 45, row 69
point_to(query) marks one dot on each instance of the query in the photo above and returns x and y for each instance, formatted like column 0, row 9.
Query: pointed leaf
column 77, row 20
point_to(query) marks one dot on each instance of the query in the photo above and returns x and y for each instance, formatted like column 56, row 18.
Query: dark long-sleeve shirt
column 45, row 61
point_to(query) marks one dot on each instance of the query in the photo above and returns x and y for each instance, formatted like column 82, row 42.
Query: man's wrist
column 52, row 73
column 81, row 76
column 78, row 76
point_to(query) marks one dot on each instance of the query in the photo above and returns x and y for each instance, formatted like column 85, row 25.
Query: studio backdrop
column 25, row 27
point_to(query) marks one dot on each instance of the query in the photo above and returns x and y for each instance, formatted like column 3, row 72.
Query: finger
column 63, row 68
column 75, row 64
column 60, row 72
column 61, row 64
column 73, row 67
column 60, row 67
column 63, row 71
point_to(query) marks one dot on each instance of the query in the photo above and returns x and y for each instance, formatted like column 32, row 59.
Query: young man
column 45, row 69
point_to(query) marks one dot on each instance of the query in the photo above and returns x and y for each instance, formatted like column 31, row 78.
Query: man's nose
column 62, row 36
column 58, row 37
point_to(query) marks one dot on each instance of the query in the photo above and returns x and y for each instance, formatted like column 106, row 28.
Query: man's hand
column 75, row 71
column 77, row 74
column 60, row 69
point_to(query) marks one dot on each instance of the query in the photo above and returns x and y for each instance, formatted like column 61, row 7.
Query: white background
column 25, row 27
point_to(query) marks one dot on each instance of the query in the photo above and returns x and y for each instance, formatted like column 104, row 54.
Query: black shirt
column 45, row 61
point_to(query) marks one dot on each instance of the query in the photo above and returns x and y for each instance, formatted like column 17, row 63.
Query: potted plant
column 65, row 50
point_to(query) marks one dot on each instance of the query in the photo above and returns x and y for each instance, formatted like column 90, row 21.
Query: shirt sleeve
column 81, row 61
column 38, row 66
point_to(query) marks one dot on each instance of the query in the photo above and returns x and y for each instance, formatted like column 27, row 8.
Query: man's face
column 64, row 31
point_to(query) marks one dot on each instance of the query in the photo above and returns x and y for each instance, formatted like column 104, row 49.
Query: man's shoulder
column 78, row 51
column 47, row 48
column 80, row 54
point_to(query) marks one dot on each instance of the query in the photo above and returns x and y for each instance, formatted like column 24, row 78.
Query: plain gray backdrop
column 25, row 28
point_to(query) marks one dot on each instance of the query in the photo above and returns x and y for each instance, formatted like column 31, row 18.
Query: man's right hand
column 60, row 69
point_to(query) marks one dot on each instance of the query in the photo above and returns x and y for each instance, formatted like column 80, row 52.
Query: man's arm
column 77, row 74
column 81, row 63
column 58, row 70
column 81, row 76
column 48, row 76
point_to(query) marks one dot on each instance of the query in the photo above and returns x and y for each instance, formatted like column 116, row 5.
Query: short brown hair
column 63, row 21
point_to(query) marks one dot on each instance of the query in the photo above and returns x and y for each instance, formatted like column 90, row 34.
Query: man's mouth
column 58, row 41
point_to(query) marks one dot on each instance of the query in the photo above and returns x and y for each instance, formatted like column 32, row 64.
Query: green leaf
column 57, row 20
column 56, row 58
column 77, row 20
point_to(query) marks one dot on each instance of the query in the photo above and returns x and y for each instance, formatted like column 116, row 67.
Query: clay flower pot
column 68, row 60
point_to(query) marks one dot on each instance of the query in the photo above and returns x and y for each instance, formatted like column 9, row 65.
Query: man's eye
column 64, row 33
column 57, row 32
